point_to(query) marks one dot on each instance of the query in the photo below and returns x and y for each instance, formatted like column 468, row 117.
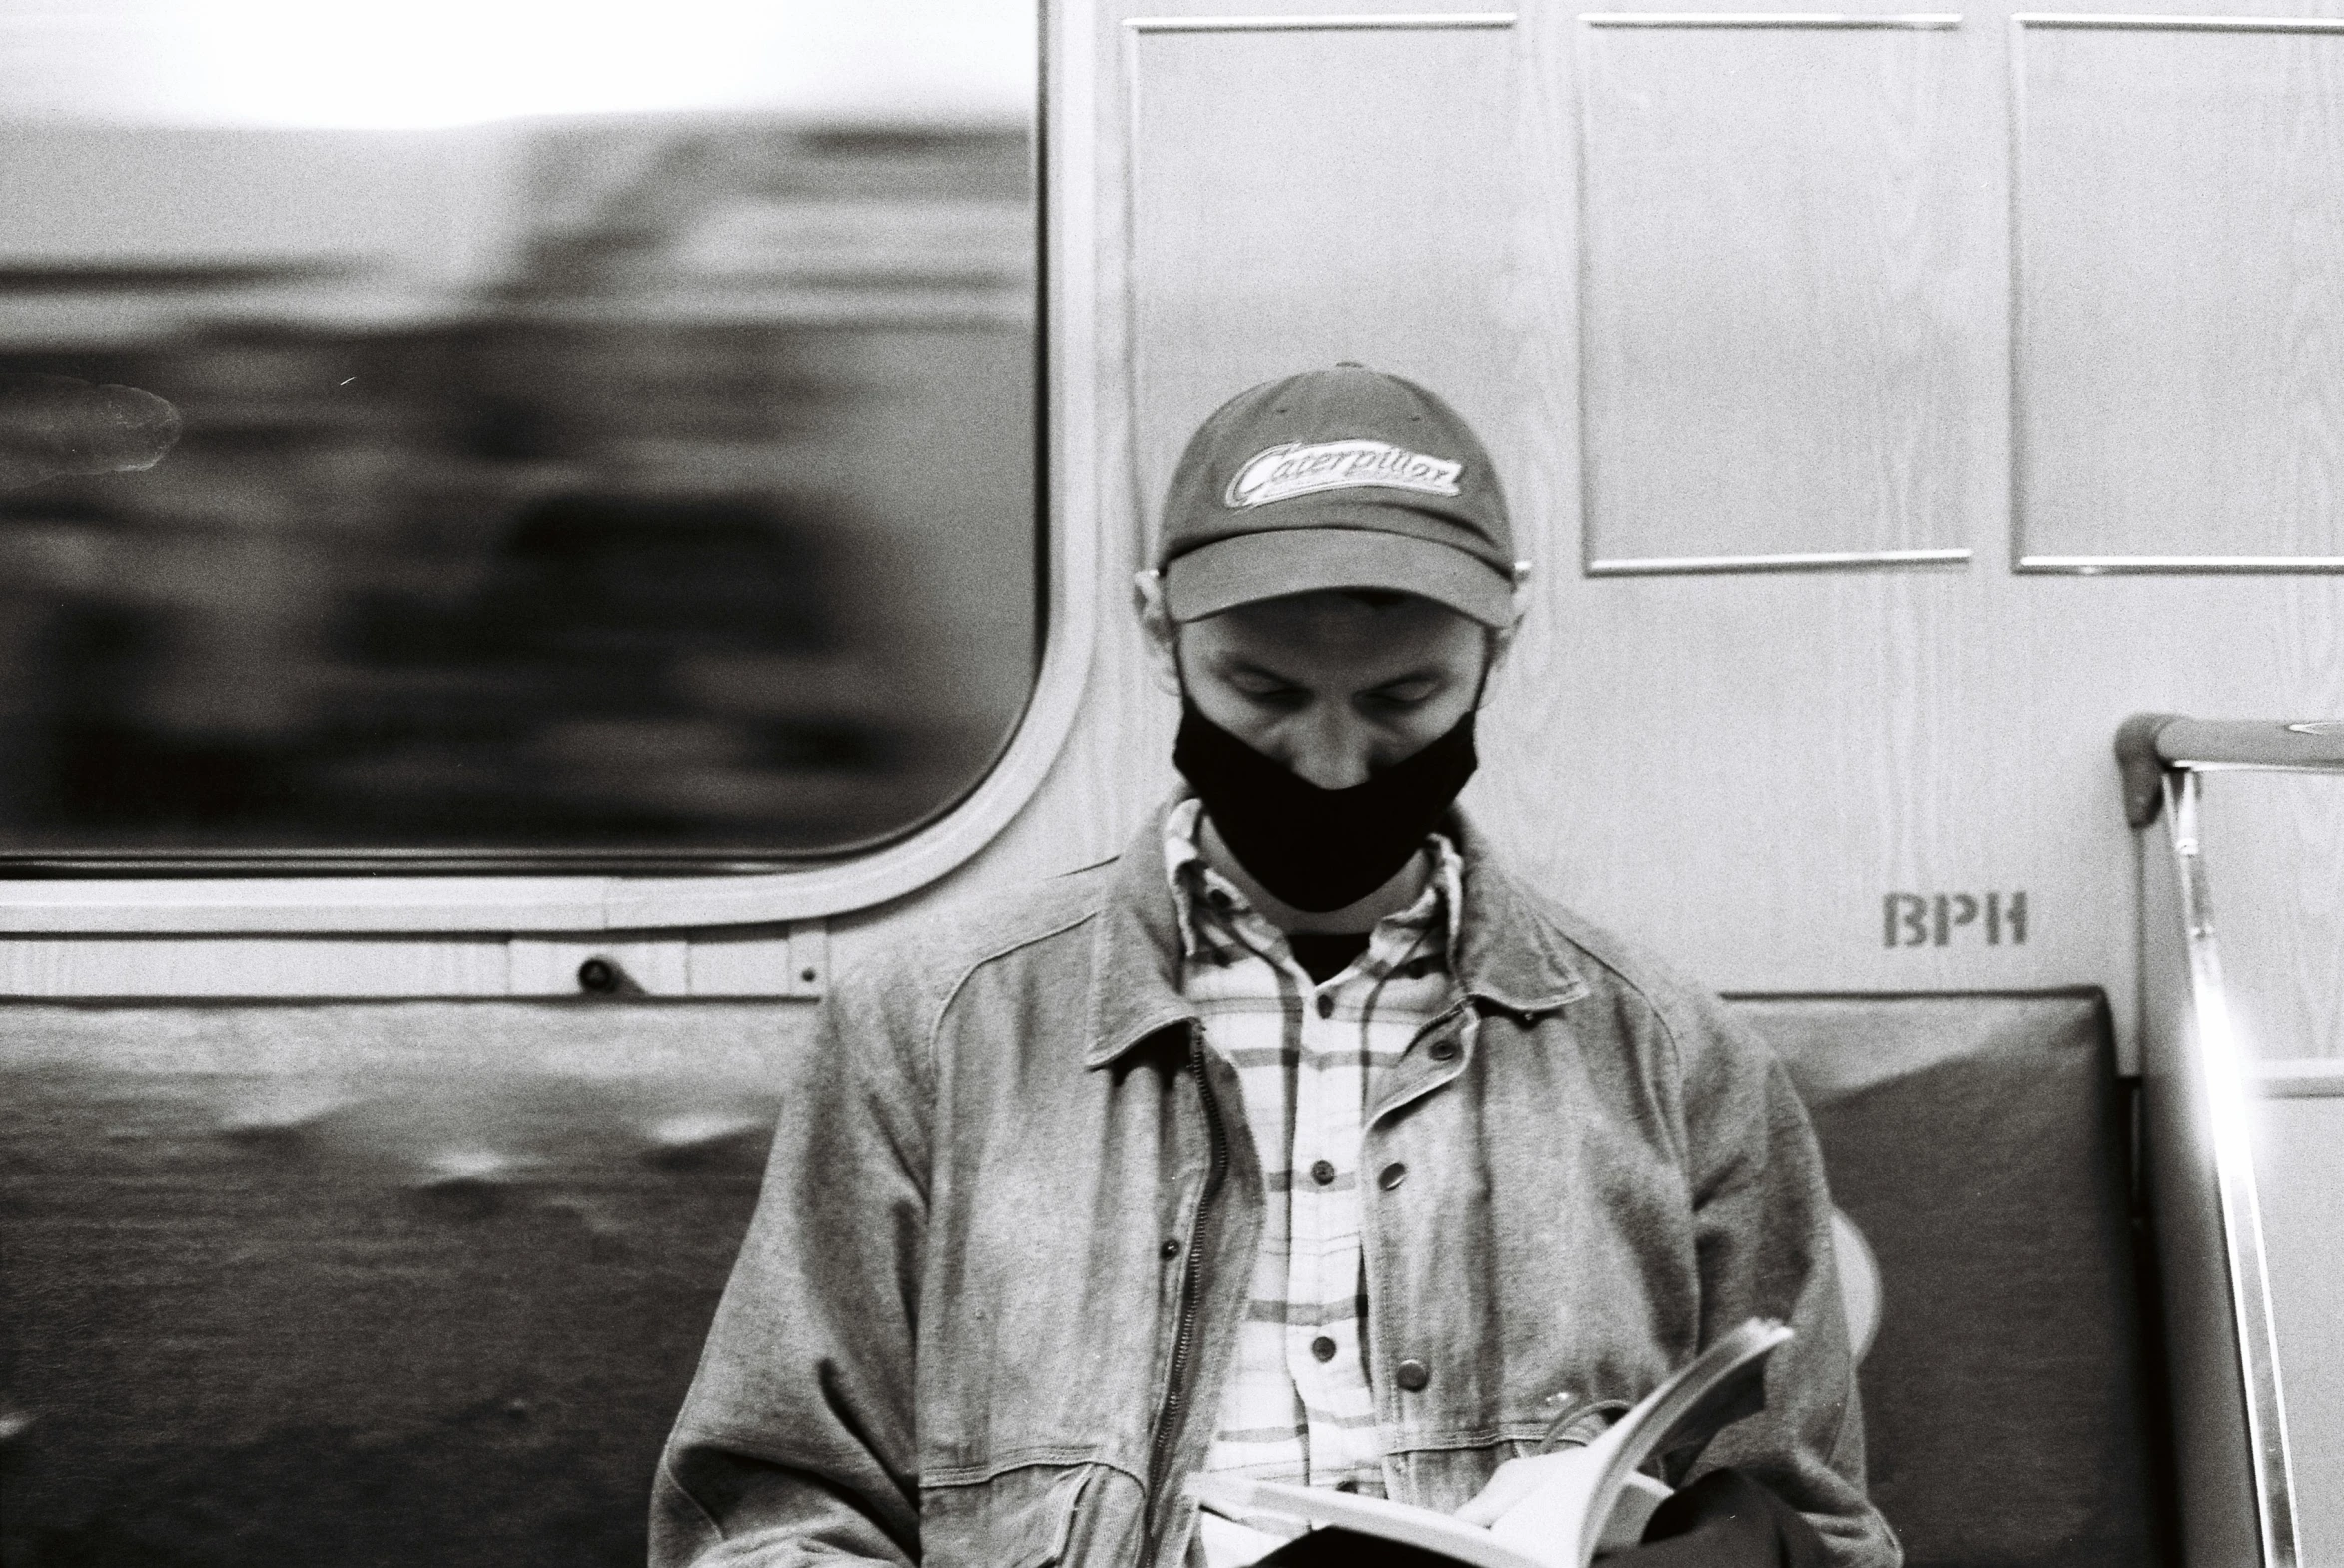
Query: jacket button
column 1326, row 1007
column 1392, row 1176
column 1445, row 1050
column 1414, row 1376
column 1322, row 1171
column 1169, row 1249
column 1324, row 1348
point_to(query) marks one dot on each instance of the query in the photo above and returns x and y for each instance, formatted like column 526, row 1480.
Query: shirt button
column 1326, row 1007
column 1414, row 1376
column 1445, row 1050
column 1324, row 1348
column 1322, row 1172
column 1392, row 1176
column 1169, row 1249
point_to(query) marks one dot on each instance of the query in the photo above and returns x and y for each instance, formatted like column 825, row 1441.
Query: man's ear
column 1501, row 638
column 1156, row 629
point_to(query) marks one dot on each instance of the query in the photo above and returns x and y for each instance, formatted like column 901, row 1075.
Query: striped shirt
column 1298, row 1407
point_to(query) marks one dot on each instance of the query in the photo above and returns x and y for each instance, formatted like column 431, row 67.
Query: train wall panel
column 2180, row 344
column 1839, row 778
column 1774, row 235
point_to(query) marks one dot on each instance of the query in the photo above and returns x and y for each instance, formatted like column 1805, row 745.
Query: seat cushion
column 391, row 1283
column 1981, row 1144
column 374, row 1285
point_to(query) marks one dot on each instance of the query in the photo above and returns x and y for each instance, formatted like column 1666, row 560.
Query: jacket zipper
column 1167, row 1421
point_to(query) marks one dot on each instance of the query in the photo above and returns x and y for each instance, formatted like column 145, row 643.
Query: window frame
column 386, row 902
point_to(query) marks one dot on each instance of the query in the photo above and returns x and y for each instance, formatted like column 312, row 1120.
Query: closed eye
column 1403, row 694
column 1269, row 691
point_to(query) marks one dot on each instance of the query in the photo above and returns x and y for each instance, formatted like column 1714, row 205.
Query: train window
column 511, row 433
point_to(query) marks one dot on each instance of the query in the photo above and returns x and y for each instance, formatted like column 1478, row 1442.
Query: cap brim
column 1273, row 565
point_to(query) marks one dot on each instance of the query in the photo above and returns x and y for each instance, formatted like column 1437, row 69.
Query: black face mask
column 1320, row 849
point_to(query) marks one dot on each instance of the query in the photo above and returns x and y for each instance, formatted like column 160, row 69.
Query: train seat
column 370, row 1285
column 393, row 1284
column 1981, row 1143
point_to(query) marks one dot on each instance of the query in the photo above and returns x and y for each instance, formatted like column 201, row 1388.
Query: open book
column 1581, row 1500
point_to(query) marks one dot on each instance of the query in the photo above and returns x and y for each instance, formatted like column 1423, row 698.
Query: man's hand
column 53, row 426
column 1725, row 1520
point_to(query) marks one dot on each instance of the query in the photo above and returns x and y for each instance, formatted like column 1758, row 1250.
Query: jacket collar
column 1509, row 957
column 1135, row 951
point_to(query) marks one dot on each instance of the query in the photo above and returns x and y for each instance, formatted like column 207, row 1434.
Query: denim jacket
column 983, row 1315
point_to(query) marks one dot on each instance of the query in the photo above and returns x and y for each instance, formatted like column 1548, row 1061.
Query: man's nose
column 1332, row 750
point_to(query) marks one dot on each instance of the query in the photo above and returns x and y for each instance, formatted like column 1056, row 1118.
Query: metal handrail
column 2148, row 744
column 2221, row 1073
column 2162, row 758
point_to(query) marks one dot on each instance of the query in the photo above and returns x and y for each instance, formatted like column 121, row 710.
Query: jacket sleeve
column 1763, row 1234
column 797, row 1442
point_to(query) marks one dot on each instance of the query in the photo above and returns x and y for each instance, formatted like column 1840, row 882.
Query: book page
column 1586, row 1499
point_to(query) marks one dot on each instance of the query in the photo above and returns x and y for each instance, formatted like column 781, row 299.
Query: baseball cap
column 1343, row 477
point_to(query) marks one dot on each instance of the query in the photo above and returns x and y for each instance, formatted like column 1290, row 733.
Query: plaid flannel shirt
column 1298, row 1407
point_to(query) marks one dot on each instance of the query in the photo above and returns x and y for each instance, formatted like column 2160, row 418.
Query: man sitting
column 1299, row 1141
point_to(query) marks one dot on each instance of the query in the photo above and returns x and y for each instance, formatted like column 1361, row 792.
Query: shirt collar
column 1426, row 922
column 1507, row 950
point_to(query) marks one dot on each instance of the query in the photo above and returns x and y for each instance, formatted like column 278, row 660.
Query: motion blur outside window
column 511, row 431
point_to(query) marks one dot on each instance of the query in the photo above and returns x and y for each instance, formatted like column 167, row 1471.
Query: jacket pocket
column 1587, row 1426
column 1019, row 1518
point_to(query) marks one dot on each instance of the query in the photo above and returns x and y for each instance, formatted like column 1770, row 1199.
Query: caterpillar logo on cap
column 1282, row 473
